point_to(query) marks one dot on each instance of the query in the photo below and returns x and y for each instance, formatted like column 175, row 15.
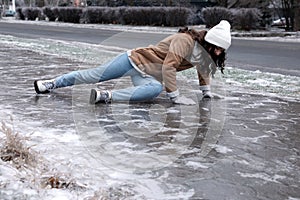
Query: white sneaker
column 44, row 87
column 100, row 96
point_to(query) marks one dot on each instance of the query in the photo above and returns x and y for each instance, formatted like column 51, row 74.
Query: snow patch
column 196, row 165
column 221, row 149
column 263, row 176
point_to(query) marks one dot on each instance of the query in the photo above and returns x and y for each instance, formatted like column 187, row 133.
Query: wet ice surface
column 243, row 146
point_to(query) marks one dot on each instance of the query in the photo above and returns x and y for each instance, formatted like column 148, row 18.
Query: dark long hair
column 198, row 36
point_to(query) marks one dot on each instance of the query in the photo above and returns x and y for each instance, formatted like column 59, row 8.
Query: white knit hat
column 219, row 35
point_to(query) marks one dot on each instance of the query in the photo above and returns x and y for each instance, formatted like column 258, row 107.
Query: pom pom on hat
column 219, row 35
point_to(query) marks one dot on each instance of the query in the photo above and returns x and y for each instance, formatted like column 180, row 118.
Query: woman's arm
column 180, row 47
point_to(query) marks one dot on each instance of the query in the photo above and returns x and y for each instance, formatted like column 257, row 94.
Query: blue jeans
column 144, row 87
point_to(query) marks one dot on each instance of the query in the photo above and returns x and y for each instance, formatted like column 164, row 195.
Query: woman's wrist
column 204, row 87
column 173, row 95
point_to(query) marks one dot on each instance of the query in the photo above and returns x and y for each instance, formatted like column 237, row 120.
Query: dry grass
column 114, row 193
column 14, row 149
column 61, row 181
column 40, row 174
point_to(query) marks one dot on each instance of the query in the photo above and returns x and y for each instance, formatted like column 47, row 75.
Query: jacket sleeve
column 204, row 69
column 204, row 79
column 180, row 48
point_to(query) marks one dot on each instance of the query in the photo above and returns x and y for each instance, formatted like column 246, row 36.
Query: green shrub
column 178, row 16
column 48, row 12
column 246, row 18
column 158, row 16
column 213, row 15
column 134, row 16
column 32, row 13
column 100, row 15
column 111, row 16
column 242, row 18
column 68, row 14
column 19, row 14
column 155, row 16
column 145, row 16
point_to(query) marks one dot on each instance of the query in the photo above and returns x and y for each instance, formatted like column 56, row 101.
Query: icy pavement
column 243, row 145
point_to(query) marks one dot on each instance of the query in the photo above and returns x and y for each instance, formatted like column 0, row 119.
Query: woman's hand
column 183, row 100
column 207, row 94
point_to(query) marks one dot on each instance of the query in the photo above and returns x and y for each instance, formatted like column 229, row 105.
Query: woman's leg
column 116, row 68
column 145, row 88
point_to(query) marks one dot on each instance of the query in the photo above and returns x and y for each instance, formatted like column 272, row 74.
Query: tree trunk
column 297, row 15
column 288, row 14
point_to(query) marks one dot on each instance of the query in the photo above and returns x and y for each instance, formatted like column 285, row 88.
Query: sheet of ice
column 58, row 141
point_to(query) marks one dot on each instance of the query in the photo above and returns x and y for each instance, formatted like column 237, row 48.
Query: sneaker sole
column 93, row 96
column 36, row 88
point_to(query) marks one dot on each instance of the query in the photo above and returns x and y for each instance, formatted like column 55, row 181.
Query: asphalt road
column 266, row 56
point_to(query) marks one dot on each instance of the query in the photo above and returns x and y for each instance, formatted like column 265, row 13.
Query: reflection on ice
column 140, row 137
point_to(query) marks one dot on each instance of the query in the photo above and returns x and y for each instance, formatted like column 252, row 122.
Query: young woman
column 154, row 68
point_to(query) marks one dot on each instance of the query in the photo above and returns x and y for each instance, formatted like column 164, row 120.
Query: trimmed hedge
column 244, row 18
column 178, row 16
column 28, row 13
column 155, row 16
column 247, row 18
column 48, row 12
column 144, row 16
column 67, row 14
column 101, row 15
column 213, row 15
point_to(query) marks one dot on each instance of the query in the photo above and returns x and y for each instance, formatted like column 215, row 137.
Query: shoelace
column 105, row 97
column 49, row 85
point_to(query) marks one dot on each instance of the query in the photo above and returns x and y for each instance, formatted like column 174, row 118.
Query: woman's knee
column 146, row 92
column 158, row 88
column 153, row 89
